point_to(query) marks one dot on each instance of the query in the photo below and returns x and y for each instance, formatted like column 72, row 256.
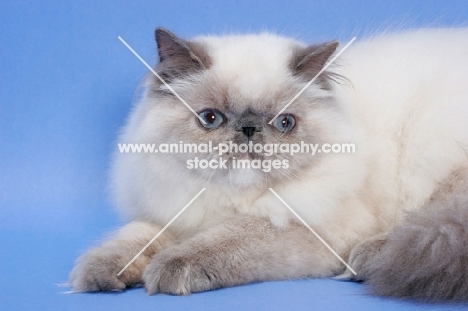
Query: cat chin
column 238, row 179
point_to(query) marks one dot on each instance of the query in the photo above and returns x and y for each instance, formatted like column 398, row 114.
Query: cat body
column 400, row 99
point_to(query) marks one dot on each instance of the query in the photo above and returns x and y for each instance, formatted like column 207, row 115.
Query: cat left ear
column 178, row 57
column 310, row 60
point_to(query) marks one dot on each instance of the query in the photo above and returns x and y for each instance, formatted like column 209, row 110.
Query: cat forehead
column 263, row 51
column 251, row 63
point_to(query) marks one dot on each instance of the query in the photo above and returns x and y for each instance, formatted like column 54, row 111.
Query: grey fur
column 362, row 254
column 239, row 251
column 97, row 269
column 427, row 256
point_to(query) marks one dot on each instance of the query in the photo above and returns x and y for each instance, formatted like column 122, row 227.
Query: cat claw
column 71, row 292
column 346, row 276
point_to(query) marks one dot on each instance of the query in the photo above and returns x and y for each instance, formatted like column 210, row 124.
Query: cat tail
column 426, row 257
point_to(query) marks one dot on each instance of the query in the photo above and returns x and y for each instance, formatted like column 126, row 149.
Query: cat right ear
column 307, row 62
column 178, row 57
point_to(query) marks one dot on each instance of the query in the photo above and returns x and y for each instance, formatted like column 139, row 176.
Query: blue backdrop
column 66, row 86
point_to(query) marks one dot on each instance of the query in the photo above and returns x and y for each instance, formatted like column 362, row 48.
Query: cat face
column 237, row 86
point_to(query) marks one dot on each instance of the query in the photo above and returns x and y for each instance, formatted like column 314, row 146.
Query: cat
column 396, row 209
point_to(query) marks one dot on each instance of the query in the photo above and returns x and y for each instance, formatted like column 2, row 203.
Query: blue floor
column 66, row 86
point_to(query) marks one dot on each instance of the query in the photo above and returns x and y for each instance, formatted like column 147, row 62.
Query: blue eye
column 212, row 117
column 285, row 123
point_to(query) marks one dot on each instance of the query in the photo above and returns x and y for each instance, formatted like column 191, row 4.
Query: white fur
column 406, row 109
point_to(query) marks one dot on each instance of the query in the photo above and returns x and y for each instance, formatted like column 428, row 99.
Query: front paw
column 363, row 253
column 176, row 274
column 97, row 271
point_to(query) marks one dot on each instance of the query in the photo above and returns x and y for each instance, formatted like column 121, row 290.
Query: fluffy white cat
column 396, row 209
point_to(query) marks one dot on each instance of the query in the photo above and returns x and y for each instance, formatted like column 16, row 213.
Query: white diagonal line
column 160, row 232
column 313, row 231
column 313, row 79
column 159, row 77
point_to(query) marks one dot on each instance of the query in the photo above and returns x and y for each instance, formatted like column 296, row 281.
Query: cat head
column 236, row 85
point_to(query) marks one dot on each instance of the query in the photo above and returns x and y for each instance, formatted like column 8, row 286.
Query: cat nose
column 250, row 130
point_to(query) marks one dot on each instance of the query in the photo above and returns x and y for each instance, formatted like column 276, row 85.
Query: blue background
column 66, row 86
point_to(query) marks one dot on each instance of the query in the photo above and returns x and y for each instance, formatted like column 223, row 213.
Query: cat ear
column 308, row 61
column 178, row 57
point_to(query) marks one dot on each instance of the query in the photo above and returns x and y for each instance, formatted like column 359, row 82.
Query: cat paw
column 176, row 275
column 362, row 254
column 97, row 271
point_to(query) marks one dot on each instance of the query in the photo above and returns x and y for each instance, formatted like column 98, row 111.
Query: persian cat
column 395, row 209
